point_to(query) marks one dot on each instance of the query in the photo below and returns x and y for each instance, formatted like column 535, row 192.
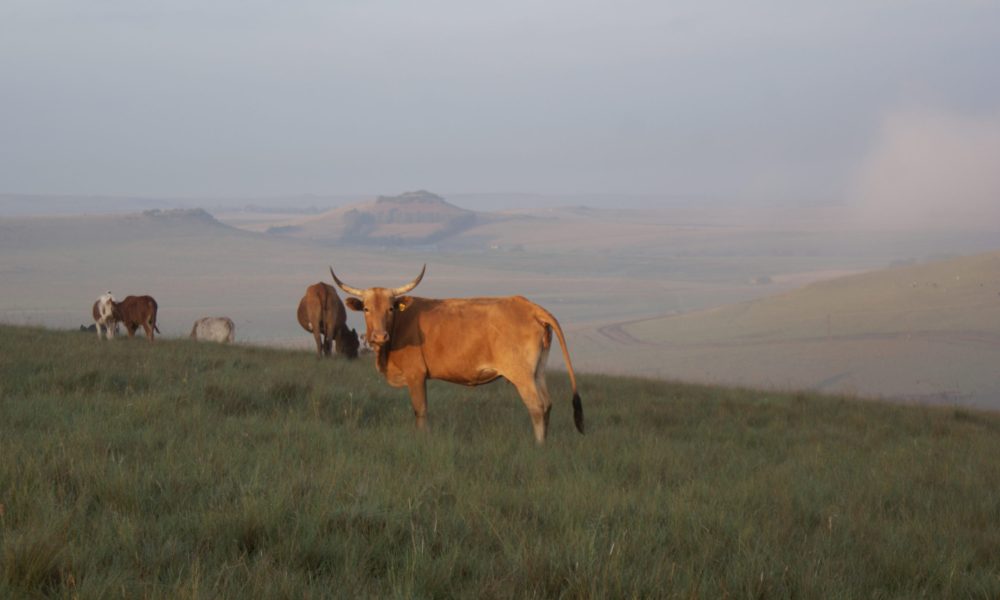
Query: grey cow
column 214, row 329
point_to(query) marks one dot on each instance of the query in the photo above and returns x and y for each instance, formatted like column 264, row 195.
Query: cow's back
column 321, row 308
column 139, row 303
column 458, row 337
column 138, row 309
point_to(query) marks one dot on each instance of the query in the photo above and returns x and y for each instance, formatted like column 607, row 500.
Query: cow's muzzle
column 379, row 338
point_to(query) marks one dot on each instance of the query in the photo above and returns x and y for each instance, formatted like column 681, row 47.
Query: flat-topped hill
column 410, row 218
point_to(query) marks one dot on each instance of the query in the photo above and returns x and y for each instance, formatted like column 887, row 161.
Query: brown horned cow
column 470, row 341
column 322, row 313
column 136, row 311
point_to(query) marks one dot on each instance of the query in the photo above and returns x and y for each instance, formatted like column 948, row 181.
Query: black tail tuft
column 578, row 412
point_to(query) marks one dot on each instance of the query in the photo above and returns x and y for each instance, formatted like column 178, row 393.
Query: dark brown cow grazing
column 322, row 313
column 470, row 341
column 136, row 311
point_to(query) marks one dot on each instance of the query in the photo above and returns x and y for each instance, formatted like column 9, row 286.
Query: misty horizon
column 14, row 203
column 722, row 102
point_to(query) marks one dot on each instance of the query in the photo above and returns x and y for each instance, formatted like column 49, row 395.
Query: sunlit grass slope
column 179, row 470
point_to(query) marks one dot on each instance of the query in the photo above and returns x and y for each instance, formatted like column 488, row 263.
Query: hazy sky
column 783, row 100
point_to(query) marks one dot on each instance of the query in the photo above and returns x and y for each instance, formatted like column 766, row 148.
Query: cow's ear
column 354, row 303
column 403, row 303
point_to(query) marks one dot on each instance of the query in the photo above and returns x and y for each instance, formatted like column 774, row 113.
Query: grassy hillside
column 960, row 294
column 926, row 333
column 180, row 470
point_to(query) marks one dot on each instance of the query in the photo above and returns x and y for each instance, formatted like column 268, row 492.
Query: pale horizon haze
column 892, row 105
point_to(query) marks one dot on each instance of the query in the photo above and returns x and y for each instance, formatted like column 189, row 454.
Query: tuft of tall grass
column 184, row 470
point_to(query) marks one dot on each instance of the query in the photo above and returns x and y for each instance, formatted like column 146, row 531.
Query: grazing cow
column 103, row 313
column 322, row 313
column 470, row 341
column 214, row 329
column 136, row 311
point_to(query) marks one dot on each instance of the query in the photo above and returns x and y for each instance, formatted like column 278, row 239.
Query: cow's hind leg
column 149, row 330
column 319, row 343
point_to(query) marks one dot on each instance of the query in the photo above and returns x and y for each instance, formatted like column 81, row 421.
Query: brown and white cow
column 214, row 329
column 136, row 311
column 470, row 341
column 103, row 313
column 322, row 313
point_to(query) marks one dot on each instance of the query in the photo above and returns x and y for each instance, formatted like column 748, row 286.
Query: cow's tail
column 547, row 319
column 152, row 319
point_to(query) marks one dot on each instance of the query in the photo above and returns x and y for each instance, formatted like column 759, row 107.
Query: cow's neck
column 382, row 360
column 382, row 354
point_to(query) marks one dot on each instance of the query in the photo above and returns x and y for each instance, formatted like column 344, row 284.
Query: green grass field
column 183, row 470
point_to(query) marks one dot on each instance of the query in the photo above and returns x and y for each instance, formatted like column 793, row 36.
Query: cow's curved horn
column 350, row 290
column 402, row 290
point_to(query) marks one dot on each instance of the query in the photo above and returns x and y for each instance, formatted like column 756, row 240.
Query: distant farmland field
column 184, row 470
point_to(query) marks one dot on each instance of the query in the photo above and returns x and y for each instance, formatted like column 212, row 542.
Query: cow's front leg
column 418, row 398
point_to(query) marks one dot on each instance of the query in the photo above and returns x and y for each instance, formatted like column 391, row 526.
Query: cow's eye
column 391, row 309
column 366, row 309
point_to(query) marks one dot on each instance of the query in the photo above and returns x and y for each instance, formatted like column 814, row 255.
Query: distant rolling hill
column 21, row 205
column 422, row 217
column 921, row 332
column 411, row 218
column 78, row 231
